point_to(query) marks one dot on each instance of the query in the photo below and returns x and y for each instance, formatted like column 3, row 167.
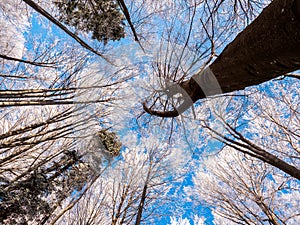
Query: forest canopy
column 149, row 112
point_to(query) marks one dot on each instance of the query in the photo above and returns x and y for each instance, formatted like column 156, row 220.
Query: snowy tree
column 102, row 18
column 173, row 95
column 134, row 190
column 244, row 62
column 65, row 98
column 48, row 99
column 237, row 181
column 242, row 190
column 179, row 221
column 14, row 19
column 263, row 125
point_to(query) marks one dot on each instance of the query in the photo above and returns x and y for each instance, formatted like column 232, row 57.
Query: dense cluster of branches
column 102, row 18
column 244, row 62
column 27, row 197
column 56, row 150
column 43, row 121
column 243, row 190
column 264, row 50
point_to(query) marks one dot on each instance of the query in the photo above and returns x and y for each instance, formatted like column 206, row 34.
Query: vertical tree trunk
column 143, row 197
column 141, row 206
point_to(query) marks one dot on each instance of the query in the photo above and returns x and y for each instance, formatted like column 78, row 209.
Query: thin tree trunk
column 143, row 197
column 249, row 148
column 44, row 13
column 141, row 205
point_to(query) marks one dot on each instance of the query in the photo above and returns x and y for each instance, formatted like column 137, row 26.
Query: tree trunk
column 267, row 48
column 141, row 205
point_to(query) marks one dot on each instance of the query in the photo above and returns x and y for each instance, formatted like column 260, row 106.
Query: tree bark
column 141, row 205
column 267, row 48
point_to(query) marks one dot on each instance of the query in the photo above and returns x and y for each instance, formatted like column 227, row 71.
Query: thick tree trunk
column 267, row 48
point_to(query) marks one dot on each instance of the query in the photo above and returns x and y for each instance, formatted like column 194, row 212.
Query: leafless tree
column 245, row 190
column 130, row 193
column 263, row 51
